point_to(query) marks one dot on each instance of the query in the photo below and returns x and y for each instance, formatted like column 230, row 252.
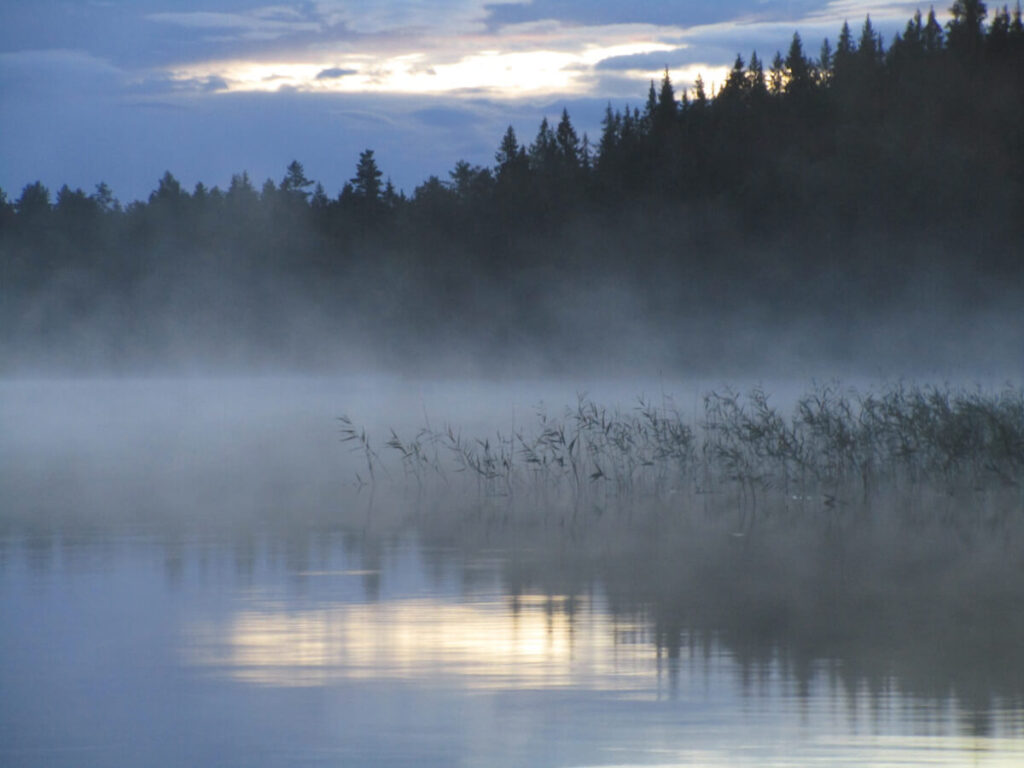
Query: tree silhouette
column 870, row 51
column 736, row 84
column 567, row 142
column 104, row 198
column 933, row 35
column 799, row 82
column 168, row 192
column 966, row 29
column 366, row 184
column 544, row 150
column 918, row 147
column 295, row 185
column 756, row 84
column 776, row 75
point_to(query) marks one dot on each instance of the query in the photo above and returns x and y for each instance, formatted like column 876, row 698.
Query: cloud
column 374, row 17
column 535, row 58
column 685, row 14
column 856, row 10
column 649, row 61
column 160, row 85
column 260, row 24
column 424, row 82
column 335, row 72
column 76, row 74
column 445, row 117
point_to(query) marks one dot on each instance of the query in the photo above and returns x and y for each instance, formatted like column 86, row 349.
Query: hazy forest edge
column 864, row 187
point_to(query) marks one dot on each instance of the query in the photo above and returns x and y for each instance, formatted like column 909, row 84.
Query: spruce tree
column 776, row 75
column 667, row 107
column 933, row 35
column 567, row 142
column 798, row 71
column 756, row 85
column 508, row 151
column 966, row 29
column 736, row 84
column 366, row 183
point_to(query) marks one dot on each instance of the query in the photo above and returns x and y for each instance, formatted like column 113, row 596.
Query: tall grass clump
column 829, row 443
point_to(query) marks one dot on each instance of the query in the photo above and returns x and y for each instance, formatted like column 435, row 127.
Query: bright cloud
column 855, row 10
column 533, row 59
column 431, row 47
column 86, row 88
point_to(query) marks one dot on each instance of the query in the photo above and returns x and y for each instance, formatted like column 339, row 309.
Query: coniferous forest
column 864, row 201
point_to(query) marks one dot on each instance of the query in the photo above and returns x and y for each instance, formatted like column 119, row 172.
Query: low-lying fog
column 198, row 449
column 197, row 557
column 217, row 449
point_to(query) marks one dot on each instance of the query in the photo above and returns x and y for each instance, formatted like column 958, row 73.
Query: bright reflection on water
column 259, row 616
column 482, row 644
column 170, row 651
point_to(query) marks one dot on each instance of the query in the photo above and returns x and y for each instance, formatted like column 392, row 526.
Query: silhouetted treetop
column 860, row 138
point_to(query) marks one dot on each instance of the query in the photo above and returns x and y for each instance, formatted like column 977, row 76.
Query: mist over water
column 190, row 574
column 700, row 442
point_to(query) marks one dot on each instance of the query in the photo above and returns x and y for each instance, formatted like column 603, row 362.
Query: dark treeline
column 845, row 188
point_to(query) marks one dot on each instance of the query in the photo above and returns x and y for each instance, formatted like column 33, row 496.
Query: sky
column 121, row 91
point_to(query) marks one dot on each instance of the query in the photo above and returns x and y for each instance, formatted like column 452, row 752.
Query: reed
column 832, row 442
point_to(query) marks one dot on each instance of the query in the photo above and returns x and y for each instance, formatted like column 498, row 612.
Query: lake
column 191, row 575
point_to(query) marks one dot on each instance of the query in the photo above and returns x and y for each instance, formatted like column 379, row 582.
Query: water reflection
column 673, row 641
column 192, row 587
column 477, row 645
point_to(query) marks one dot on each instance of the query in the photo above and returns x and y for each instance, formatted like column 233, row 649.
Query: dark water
column 188, row 577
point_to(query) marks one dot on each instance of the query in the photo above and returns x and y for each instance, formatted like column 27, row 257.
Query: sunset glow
column 479, row 644
column 494, row 72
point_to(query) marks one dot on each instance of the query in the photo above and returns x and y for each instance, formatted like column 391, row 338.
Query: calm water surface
column 188, row 578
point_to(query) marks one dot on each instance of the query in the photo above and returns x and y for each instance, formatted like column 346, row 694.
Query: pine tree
column 471, row 183
column 104, row 198
column 168, row 191
column 34, row 202
column 294, row 184
column 75, row 207
column 319, row 201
